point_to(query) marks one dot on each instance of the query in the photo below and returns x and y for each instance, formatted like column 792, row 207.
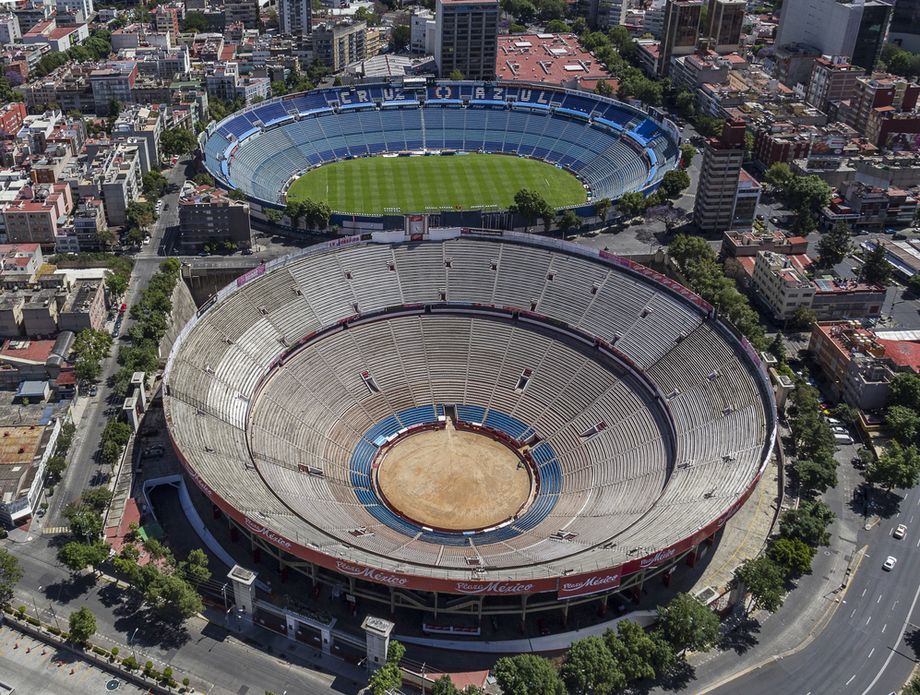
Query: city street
column 82, row 464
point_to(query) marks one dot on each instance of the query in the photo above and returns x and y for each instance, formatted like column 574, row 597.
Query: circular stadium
column 468, row 423
column 424, row 147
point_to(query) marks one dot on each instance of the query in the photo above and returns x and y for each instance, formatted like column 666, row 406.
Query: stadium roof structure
column 647, row 420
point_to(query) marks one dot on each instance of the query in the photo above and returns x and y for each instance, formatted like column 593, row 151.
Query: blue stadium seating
column 612, row 147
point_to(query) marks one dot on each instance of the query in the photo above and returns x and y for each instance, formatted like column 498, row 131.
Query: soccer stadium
column 468, row 423
column 393, row 148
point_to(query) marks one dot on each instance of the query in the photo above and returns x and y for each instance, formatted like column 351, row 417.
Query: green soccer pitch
column 379, row 185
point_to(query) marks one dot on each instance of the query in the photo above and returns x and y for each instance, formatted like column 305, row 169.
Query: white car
column 890, row 563
column 833, row 421
column 900, row 531
column 839, row 430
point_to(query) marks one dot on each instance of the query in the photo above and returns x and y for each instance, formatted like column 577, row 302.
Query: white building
column 9, row 29
column 781, row 284
column 82, row 6
column 423, row 29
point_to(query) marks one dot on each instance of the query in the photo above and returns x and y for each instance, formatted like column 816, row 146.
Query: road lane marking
column 851, row 679
column 893, row 650
column 884, row 627
column 871, row 653
column 879, row 598
column 853, row 613
column 868, row 619
column 864, row 592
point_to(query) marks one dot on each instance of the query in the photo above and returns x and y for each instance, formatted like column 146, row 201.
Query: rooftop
column 551, row 58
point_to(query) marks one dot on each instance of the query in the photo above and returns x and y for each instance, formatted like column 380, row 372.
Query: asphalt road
column 872, row 642
column 82, row 466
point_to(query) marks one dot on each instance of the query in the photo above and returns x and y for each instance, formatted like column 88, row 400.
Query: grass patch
column 375, row 185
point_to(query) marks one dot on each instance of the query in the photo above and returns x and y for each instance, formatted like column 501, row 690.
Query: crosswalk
column 55, row 530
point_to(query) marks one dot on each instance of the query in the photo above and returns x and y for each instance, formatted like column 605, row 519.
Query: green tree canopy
column 154, row 184
column 10, row 574
column 82, row 625
column 590, row 668
column 779, row 175
column 903, row 424
column 675, row 182
column 875, row 268
column 764, row 580
column 834, row 245
column 531, row 206
column 385, row 680
column 793, row 555
column 687, row 153
column 808, row 523
column 905, row 390
column 898, row 467
column 178, row 141
column 687, row 624
column 77, row 555
column 527, row 674
column 631, row 204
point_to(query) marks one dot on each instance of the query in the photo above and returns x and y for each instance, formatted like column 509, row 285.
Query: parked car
column 839, row 430
column 151, row 451
column 890, row 563
column 833, row 421
column 900, row 531
column 842, row 438
column 93, row 390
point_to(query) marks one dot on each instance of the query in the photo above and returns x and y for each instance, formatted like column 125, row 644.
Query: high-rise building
column 905, row 25
column 718, row 188
column 832, row 80
column 422, row 31
column 681, row 31
column 466, row 38
column 294, row 17
column 726, row 20
column 338, row 45
column 603, row 14
column 83, row 7
column 245, row 11
column 850, row 28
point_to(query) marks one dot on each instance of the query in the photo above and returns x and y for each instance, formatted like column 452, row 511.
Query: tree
column 531, row 206
column 675, row 182
column 875, row 268
column 76, row 555
column 834, row 245
column 803, row 317
column 764, row 580
column 194, row 22
column 444, row 686
column 631, row 204
column 792, row 555
column 385, row 680
column 816, row 476
column 400, row 36
column 589, row 667
column 178, row 141
column 603, row 88
column 456, row 75
column 808, row 523
column 687, row 153
column 236, row 194
column 913, row 285
column 395, row 652
column 567, row 221
column 602, row 208
column 779, row 175
column 273, row 216
column 527, row 674
column 82, row 625
column 806, row 195
column 170, row 594
column 97, row 498
column 898, row 467
column 778, row 348
column 903, row 424
column 140, row 214
column 204, row 179
column 56, row 467
column 85, row 522
column 116, row 284
column 154, row 184
column 687, row 624
column 905, row 391
column 912, row 688
column 640, row 655
column 10, row 574
column 194, row 568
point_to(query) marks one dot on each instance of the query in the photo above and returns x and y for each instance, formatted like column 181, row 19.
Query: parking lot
column 29, row 666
